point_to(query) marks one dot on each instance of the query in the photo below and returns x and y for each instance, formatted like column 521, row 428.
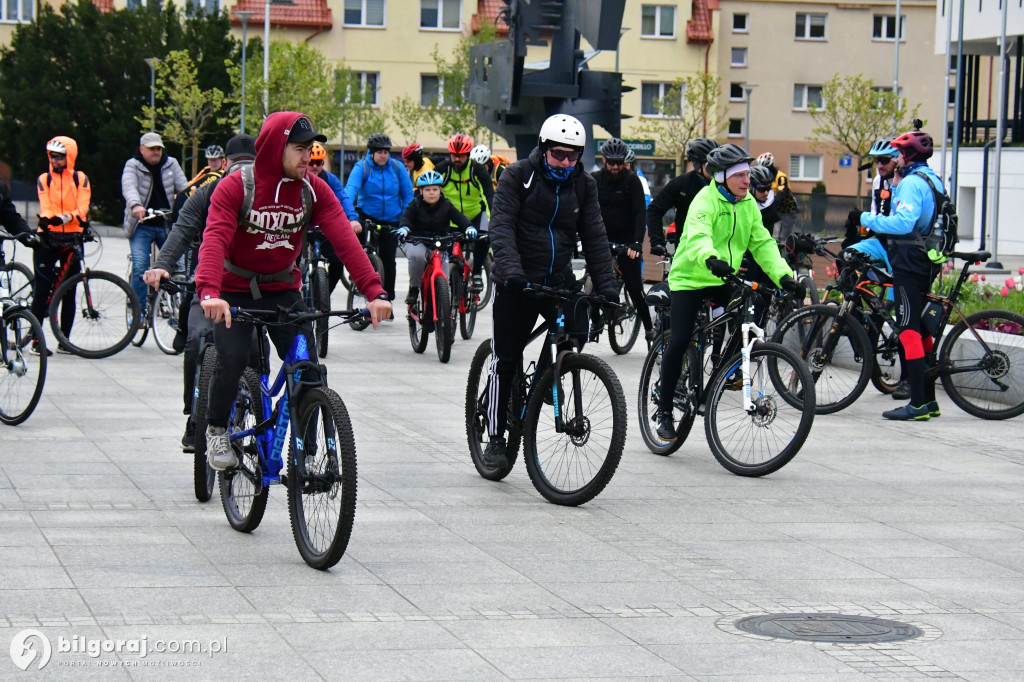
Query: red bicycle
column 465, row 303
column 433, row 310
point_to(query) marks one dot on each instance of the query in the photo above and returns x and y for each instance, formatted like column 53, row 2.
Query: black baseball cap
column 302, row 131
column 240, row 146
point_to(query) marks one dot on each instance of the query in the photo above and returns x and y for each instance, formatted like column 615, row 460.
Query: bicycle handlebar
column 283, row 316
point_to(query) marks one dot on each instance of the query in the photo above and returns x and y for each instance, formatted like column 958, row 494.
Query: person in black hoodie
column 429, row 214
column 623, row 209
column 678, row 194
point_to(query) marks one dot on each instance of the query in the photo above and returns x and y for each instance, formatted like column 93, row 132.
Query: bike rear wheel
column 107, row 314
column 22, row 373
column 684, row 408
column 244, row 499
column 320, row 287
column 322, row 479
column 888, row 369
column 477, row 420
column 163, row 320
column 760, row 442
column 357, row 300
column 488, row 285
column 203, row 477
column 837, row 351
column 624, row 326
column 995, row 388
column 444, row 327
column 572, row 467
column 418, row 334
column 16, row 282
column 461, row 298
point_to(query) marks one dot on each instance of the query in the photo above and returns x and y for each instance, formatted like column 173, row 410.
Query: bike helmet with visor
column 480, row 153
column 766, row 160
column 914, row 146
column 214, row 151
column 562, row 130
column 630, row 156
column 460, row 144
column 413, row 152
column 760, row 177
column 57, row 147
column 697, row 151
column 378, row 141
column 317, row 152
column 614, row 149
column 722, row 158
column 883, row 147
column 431, row 177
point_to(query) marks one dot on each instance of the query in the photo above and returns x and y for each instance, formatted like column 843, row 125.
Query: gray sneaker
column 219, row 453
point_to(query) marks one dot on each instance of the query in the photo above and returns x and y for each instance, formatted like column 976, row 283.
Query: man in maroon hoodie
column 249, row 261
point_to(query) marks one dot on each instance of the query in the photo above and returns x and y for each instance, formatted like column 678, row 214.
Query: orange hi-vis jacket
column 66, row 193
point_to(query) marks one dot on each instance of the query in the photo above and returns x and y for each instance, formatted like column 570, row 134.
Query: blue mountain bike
column 321, row 464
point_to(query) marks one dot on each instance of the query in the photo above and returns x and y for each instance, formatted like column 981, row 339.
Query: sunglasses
column 614, row 162
column 459, row 156
column 563, row 154
column 58, row 157
column 885, row 162
column 762, row 188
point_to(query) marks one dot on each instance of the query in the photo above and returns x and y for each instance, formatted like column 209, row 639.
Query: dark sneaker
column 666, row 427
column 908, row 412
column 496, row 454
column 933, row 409
column 902, row 391
column 219, row 453
column 595, row 332
column 188, row 439
column 179, row 341
column 64, row 350
column 37, row 349
column 412, row 297
column 476, row 285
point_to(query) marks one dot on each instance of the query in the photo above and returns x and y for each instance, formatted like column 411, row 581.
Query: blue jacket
column 381, row 192
column 913, row 207
column 339, row 191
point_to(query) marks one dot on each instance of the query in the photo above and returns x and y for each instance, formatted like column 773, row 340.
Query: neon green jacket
column 717, row 228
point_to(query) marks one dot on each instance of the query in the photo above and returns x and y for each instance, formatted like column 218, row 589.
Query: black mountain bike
column 22, row 372
column 356, row 299
column 569, row 414
column 316, row 285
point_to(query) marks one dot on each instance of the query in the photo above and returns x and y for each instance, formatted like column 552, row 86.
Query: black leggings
column 682, row 319
column 50, row 263
column 632, row 276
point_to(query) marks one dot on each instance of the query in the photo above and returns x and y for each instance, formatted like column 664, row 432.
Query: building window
column 364, row 12
column 736, row 92
column 739, row 23
column 441, row 14
column 805, row 167
column 430, row 90
column 651, row 93
column 739, row 56
column 953, row 59
column 735, row 126
column 806, row 95
column 884, row 27
column 658, row 21
column 951, row 98
column 368, row 85
column 810, row 26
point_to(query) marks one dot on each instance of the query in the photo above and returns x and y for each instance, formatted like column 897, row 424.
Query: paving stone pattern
column 452, row 577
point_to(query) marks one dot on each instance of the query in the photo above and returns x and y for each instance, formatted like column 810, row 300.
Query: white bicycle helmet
column 480, row 153
column 56, row 146
column 564, row 130
column 766, row 160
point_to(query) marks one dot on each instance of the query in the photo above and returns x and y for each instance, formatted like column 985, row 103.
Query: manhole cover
column 827, row 627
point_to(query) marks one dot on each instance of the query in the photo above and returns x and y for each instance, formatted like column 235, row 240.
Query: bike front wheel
column 764, row 439
column 477, row 416
column 986, row 380
column 23, row 373
column 106, row 314
column 203, row 477
column 684, row 408
column 16, row 283
column 164, row 318
column 573, row 466
column 322, row 479
column 357, row 300
column 243, row 493
column 624, row 326
column 444, row 326
column 320, row 286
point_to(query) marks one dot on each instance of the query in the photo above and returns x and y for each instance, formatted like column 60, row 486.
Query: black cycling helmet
column 697, row 151
column 378, row 141
column 760, row 176
column 726, row 156
column 614, row 149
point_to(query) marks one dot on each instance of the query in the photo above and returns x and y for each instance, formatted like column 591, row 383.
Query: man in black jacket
column 542, row 204
column 623, row 209
column 678, row 194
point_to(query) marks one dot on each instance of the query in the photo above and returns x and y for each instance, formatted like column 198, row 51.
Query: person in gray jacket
column 141, row 193
column 184, row 238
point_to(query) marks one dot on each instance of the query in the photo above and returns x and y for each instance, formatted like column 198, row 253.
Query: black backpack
column 942, row 238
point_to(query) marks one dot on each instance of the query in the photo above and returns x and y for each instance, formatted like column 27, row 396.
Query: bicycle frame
column 459, row 260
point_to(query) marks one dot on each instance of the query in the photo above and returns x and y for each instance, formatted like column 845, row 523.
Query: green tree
column 856, row 113
column 184, row 112
column 408, row 117
column 452, row 113
column 688, row 110
column 357, row 100
column 301, row 79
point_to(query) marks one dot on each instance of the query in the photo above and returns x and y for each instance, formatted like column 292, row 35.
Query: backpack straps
column 256, row 278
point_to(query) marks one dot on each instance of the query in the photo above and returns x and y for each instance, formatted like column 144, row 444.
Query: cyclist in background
column 493, row 163
column 64, row 197
column 415, row 162
column 632, row 165
column 214, row 168
column 761, row 188
column 723, row 223
column 429, row 214
column 380, row 189
column 913, row 210
column 623, row 211
column 469, row 187
column 678, row 194
column 543, row 203
column 318, row 167
column 785, row 200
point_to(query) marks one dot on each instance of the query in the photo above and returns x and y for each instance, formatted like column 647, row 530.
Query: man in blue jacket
column 380, row 188
column 913, row 211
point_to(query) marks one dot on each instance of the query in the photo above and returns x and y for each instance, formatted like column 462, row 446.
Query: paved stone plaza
column 450, row 577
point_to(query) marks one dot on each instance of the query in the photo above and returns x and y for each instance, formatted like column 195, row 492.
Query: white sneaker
column 219, row 453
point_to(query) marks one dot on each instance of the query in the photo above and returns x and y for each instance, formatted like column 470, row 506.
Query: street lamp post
column 151, row 62
column 747, row 89
column 266, row 51
column 243, row 16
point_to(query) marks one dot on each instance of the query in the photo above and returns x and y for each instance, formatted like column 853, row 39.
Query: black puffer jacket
column 535, row 223
column 434, row 220
column 623, row 207
column 677, row 194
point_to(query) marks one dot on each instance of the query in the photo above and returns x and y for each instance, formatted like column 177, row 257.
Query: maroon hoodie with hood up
column 276, row 206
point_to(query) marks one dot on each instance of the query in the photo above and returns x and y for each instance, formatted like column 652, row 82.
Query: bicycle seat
column 658, row 295
column 973, row 256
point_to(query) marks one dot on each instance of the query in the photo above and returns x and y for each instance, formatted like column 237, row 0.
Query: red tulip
column 1004, row 291
column 974, row 277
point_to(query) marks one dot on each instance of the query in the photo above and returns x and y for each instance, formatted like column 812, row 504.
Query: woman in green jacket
column 722, row 224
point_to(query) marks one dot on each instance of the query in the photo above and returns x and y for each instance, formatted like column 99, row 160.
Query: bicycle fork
column 747, row 329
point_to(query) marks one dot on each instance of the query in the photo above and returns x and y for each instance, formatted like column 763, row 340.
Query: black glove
column 853, row 217
column 718, row 267
column 658, row 250
column 515, row 284
column 798, row 290
column 638, row 247
column 28, row 239
column 46, row 222
column 87, row 232
column 609, row 296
